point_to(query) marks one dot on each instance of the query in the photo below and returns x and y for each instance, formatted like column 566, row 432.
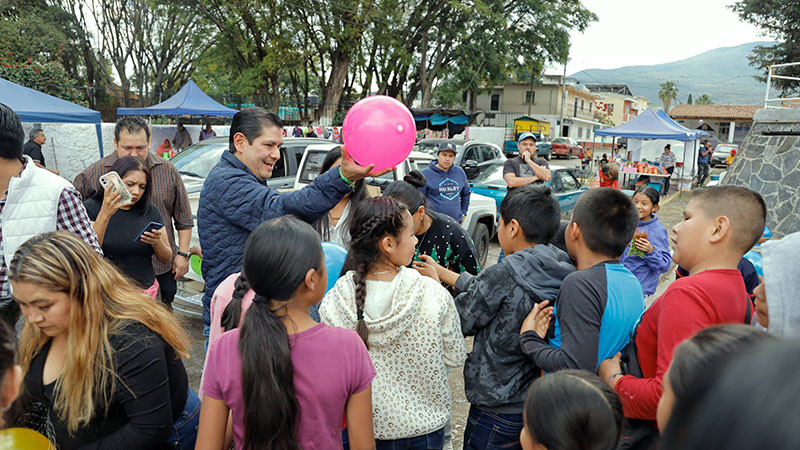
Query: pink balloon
column 379, row 130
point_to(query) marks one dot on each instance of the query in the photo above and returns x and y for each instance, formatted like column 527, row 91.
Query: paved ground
column 671, row 213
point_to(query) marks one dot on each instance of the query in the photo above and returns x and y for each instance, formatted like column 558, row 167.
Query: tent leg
column 99, row 130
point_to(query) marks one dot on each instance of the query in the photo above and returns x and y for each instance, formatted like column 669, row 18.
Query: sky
column 646, row 32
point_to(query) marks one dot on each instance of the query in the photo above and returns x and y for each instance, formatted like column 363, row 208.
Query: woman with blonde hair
column 98, row 352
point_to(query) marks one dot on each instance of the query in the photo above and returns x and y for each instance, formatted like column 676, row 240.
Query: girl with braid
column 409, row 323
column 266, row 373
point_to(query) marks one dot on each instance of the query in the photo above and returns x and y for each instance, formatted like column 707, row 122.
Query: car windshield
column 198, row 160
column 726, row 149
column 492, row 175
column 560, row 141
column 430, row 148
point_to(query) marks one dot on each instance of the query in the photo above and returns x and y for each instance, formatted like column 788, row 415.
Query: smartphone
column 113, row 179
column 150, row 227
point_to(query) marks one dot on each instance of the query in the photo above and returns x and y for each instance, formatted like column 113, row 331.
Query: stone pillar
column 731, row 132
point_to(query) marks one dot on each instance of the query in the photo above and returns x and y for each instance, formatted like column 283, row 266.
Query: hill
column 723, row 73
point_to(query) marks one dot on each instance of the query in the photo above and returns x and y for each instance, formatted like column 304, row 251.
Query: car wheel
column 547, row 156
column 481, row 240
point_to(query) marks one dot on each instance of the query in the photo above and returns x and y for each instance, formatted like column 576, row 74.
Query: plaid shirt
column 71, row 216
column 167, row 193
column 667, row 160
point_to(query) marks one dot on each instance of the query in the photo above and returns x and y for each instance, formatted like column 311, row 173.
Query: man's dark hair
column 132, row 125
column 536, row 210
column 34, row 132
column 607, row 219
column 251, row 122
column 12, row 136
column 744, row 208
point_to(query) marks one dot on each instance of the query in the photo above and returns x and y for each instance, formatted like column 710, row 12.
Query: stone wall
column 769, row 163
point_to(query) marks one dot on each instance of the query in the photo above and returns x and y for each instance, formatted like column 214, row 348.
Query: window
column 279, row 170
column 568, row 182
column 472, row 154
column 580, row 133
column 488, row 153
column 582, row 105
column 530, row 97
column 495, row 106
column 575, row 109
column 590, row 106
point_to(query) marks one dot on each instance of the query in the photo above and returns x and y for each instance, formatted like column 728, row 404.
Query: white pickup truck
column 480, row 223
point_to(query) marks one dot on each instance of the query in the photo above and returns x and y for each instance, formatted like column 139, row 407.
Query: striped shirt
column 667, row 160
column 71, row 216
column 167, row 193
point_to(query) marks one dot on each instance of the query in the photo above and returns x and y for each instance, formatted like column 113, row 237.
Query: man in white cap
column 525, row 168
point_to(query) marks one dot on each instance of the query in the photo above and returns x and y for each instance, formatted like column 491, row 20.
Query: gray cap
column 447, row 146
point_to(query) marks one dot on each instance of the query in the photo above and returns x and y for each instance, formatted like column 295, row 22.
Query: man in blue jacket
column 447, row 190
column 236, row 199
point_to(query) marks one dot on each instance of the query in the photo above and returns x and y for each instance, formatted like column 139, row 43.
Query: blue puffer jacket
column 234, row 202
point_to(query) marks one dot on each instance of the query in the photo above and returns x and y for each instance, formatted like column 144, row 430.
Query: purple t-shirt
column 330, row 365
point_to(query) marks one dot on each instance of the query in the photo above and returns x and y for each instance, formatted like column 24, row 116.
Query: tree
column 704, row 99
column 49, row 77
column 667, row 94
column 689, row 100
column 778, row 20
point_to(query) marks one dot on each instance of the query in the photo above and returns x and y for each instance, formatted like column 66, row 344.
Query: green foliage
column 689, row 100
column 778, row 19
column 667, row 94
column 48, row 77
column 704, row 99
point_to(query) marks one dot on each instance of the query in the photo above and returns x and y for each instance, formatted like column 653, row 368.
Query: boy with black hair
column 492, row 306
column 597, row 306
column 720, row 224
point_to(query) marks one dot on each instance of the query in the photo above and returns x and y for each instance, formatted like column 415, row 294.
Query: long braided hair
column 233, row 312
column 372, row 220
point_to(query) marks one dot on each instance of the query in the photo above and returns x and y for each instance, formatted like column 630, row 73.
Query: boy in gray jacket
column 492, row 306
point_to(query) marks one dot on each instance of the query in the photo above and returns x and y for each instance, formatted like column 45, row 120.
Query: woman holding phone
column 120, row 228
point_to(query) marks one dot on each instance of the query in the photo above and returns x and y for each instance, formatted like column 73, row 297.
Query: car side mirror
column 470, row 164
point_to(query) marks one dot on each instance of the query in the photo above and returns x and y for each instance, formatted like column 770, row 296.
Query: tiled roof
column 714, row 112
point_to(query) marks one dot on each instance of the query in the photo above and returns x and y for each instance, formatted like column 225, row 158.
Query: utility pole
column 563, row 100
column 530, row 98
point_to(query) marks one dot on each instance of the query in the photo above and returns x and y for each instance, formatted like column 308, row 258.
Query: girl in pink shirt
column 285, row 380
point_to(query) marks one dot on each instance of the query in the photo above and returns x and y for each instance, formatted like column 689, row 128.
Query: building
column 504, row 103
column 617, row 102
column 725, row 123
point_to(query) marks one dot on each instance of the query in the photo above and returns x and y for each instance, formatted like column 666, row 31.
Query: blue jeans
column 486, row 430
column 702, row 173
column 502, row 255
column 184, row 430
column 430, row 441
column 206, row 334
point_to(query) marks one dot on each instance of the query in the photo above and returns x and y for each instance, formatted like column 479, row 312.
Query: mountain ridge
column 723, row 73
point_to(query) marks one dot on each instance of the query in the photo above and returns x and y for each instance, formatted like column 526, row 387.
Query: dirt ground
column 670, row 214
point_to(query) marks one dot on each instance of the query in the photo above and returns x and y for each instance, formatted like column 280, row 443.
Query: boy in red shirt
column 720, row 224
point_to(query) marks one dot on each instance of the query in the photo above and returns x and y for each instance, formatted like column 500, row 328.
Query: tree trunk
column 335, row 86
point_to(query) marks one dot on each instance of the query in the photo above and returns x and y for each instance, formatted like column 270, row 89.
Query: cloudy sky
column 645, row 32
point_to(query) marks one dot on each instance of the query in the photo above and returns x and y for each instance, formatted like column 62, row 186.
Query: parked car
column 510, row 150
column 721, row 153
column 480, row 222
column 472, row 156
column 566, row 147
column 194, row 165
column 566, row 187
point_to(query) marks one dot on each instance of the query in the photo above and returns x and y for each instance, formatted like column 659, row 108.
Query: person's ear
column 240, row 142
column 12, row 383
column 514, row 228
column 387, row 245
column 573, row 232
column 420, row 211
column 722, row 227
column 656, row 208
column 311, row 279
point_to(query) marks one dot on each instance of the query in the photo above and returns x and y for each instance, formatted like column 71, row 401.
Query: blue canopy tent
column 38, row 107
column 190, row 100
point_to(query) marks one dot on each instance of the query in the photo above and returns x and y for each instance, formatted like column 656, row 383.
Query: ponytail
column 233, row 312
column 267, row 380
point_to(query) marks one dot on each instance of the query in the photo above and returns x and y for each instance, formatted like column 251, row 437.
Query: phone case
column 113, row 179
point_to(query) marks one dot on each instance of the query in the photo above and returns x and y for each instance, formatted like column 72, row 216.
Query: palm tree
column 667, row 94
column 704, row 99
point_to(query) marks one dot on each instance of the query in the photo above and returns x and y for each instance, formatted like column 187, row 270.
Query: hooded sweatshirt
column 447, row 192
column 649, row 268
column 782, row 280
column 414, row 336
column 492, row 306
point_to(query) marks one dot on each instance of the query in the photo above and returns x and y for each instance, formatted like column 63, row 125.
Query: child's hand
column 644, row 245
column 427, row 267
column 538, row 319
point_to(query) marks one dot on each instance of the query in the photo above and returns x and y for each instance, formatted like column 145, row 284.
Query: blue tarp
column 190, row 100
column 650, row 125
column 439, row 119
column 37, row 107
column 668, row 119
column 460, row 119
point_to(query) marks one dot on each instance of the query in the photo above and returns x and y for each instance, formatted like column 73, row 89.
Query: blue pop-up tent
column 190, row 100
column 38, row 107
column 651, row 125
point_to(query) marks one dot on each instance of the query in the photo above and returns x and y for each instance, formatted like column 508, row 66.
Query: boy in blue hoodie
column 493, row 304
column 597, row 306
column 447, row 190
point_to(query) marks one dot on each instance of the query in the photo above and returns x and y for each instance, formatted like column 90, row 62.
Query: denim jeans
column 502, row 255
column 486, row 430
column 702, row 173
column 430, row 441
column 184, row 430
column 206, row 334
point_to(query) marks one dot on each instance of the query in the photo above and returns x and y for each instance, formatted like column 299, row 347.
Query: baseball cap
column 447, row 146
column 526, row 135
